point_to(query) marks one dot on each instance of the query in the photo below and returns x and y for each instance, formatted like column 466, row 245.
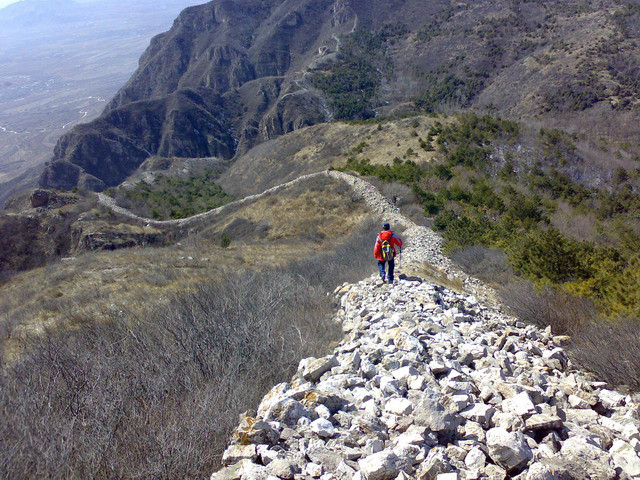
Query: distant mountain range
column 232, row 74
column 34, row 13
column 43, row 13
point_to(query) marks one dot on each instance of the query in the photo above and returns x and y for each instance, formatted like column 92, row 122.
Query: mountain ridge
column 280, row 65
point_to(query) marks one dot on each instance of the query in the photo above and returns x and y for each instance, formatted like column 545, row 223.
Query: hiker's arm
column 398, row 240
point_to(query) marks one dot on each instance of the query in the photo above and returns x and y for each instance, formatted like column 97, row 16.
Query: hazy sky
column 4, row 3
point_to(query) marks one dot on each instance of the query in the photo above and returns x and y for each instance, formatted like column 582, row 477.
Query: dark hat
column 386, row 226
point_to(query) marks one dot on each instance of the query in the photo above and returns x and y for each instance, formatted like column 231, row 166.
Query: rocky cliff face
column 232, row 74
column 219, row 80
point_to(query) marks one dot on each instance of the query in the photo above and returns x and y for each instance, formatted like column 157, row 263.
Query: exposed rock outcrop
column 232, row 74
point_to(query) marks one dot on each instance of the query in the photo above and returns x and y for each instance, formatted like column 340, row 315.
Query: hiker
column 385, row 251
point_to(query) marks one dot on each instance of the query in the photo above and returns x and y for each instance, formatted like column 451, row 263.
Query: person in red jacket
column 384, row 237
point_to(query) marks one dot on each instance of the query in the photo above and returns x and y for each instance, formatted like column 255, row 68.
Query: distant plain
column 60, row 62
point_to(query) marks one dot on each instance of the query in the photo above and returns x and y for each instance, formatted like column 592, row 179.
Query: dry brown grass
column 153, row 390
column 273, row 231
column 320, row 147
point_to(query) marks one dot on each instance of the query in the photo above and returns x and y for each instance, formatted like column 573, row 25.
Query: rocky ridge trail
column 429, row 384
column 432, row 384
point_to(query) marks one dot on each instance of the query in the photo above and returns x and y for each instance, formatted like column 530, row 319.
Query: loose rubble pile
column 431, row 385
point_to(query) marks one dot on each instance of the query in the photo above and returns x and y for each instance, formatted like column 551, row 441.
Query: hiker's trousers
column 389, row 274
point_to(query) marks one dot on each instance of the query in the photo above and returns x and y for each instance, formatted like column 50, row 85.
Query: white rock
column 577, row 402
column 447, row 476
column 519, row 404
column 323, row 428
column 313, row 470
column 399, row 406
column 625, row 457
column 404, row 373
column 312, row 369
column 631, row 432
column 413, row 436
column 508, row 449
column 416, row 382
column 235, row 453
column 475, row 459
column 322, row 411
column 287, row 411
column 390, row 385
column 438, row 367
column 538, row 471
column 582, row 447
column 479, row 412
column 611, row 424
column 374, row 445
column 351, row 361
column 283, row 468
column 611, row 398
column 379, row 466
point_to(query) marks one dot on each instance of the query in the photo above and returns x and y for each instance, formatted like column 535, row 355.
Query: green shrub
column 173, row 197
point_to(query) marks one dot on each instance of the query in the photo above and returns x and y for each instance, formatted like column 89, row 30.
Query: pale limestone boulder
column 519, row 404
column 399, row 406
column 236, row 453
column 480, row 413
column 432, row 414
column 283, row 468
column 379, row 466
column 625, row 457
column 287, row 411
column 543, row 421
column 611, row 398
column 539, row 471
column 323, row 428
column 435, row 464
column 475, row 459
column 311, row 369
column 508, row 449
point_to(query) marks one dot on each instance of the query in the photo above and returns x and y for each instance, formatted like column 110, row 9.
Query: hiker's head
column 386, row 226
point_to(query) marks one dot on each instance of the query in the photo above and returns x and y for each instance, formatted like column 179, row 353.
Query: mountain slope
column 283, row 65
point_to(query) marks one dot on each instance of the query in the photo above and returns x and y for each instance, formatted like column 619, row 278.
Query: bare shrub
column 157, row 397
column 488, row 264
column 398, row 193
column 566, row 314
column 610, row 350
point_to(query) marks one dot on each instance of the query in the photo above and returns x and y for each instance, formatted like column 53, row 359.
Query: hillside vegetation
column 172, row 197
column 135, row 363
column 214, row 86
column 561, row 219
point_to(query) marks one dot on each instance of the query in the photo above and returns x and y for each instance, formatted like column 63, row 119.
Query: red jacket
column 391, row 238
